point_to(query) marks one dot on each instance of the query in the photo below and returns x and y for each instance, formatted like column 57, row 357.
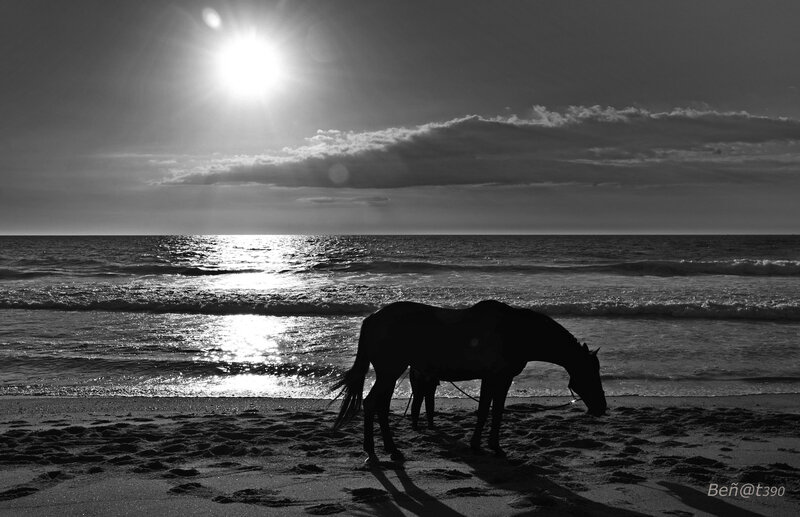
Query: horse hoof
column 372, row 461
column 398, row 456
column 499, row 452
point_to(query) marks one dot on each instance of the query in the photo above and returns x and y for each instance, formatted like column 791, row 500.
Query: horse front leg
column 416, row 405
column 418, row 393
column 483, row 413
column 500, row 392
column 430, row 405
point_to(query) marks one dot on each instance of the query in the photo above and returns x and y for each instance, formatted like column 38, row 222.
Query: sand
column 246, row 456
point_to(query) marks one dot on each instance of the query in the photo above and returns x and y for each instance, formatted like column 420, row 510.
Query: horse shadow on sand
column 531, row 487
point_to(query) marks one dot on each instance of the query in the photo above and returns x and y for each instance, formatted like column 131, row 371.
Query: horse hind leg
column 430, row 404
column 376, row 403
column 384, row 403
column 483, row 413
column 369, row 430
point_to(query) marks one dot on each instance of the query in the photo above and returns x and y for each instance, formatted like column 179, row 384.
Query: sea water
column 280, row 315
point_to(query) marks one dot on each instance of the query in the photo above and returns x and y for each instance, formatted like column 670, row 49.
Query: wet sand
column 250, row 456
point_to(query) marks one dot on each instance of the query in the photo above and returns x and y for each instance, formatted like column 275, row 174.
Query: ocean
column 279, row 315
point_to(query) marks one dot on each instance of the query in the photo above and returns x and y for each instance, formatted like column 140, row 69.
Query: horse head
column 584, row 379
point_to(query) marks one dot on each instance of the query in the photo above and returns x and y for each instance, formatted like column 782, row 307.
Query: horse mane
column 569, row 344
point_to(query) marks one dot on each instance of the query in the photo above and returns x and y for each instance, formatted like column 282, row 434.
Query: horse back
column 449, row 344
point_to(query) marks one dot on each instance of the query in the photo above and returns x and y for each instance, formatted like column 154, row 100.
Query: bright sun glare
column 249, row 67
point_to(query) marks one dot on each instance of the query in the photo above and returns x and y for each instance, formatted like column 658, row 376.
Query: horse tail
column 352, row 382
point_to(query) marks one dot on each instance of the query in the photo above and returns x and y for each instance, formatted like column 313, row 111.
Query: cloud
column 356, row 200
column 629, row 146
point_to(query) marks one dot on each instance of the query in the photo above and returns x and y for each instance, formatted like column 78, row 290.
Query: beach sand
column 251, row 456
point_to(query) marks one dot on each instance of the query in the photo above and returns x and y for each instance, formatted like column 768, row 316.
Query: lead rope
column 575, row 399
column 462, row 391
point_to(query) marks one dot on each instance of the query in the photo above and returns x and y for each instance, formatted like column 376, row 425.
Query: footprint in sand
column 666, row 461
column 17, row 492
column 705, row 462
column 369, row 495
column 41, row 481
column 249, row 468
column 528, row 501
column 631, row 450
column 617, row 462
column 560, row 453
column 150, row 466
column 325, row 509
column 175, row 447
column 620, row 476
column 583, row 443
column 307, row 468
column 223, row 465
column 54, row 475
column 194, row 489
column 223, row 450
column 692, row 471
column 178, row 472
column 117, row 448
column 783, row 466
column 257, row 496
column 450, row 474
column 776, row 474
column 467, row 491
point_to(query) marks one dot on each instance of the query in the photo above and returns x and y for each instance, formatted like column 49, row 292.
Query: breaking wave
column 121, row 270
column 167, row 367
column 633, row 268
column 596, row 309
column 732, row 376
column 223, row 307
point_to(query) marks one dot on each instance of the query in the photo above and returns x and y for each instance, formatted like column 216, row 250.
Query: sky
column 663, row 116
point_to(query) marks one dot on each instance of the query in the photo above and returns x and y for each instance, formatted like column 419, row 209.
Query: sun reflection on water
column 254, row 354
column 250, row 385
column 246, row 339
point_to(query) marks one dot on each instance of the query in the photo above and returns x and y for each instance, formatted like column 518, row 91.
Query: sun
column 249, row 67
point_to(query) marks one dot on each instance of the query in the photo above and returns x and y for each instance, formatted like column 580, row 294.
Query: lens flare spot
column 338, row 174
column 212, row 18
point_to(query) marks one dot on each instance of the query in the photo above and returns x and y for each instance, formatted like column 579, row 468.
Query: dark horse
column 490, row 341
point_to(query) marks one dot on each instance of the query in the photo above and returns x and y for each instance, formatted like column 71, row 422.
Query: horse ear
column 586, row 347
column 595, row 352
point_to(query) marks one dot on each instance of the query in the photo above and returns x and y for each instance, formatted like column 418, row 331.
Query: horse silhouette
column 491, row 341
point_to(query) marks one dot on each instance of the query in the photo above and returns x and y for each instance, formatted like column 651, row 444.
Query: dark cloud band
column 581, row 144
